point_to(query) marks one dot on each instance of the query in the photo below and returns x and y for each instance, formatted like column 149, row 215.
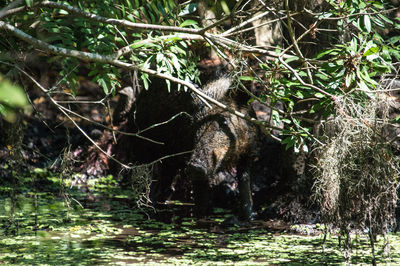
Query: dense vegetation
column 326, row 69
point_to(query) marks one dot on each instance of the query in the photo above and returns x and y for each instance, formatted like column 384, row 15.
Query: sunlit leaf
column 29, row 3
column 349, row 79
column 330, row 51
column 291, row 59
column 367, row 23
column 225, row 7
column 12, row 95
column 188, row 22
column 384, row 18
column 247, row 78
column 377, row 4
column 372, row 50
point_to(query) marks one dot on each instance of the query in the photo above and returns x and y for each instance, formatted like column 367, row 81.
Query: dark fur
column 223, row 143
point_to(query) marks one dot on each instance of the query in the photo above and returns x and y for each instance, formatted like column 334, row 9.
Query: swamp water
column 40, row 228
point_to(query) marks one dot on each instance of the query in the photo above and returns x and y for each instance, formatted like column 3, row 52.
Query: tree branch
column 110, row 60
column 120, row 22
column 11, row 8
column 197, row 34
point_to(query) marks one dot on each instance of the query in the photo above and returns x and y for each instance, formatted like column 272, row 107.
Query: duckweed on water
column 112, row 231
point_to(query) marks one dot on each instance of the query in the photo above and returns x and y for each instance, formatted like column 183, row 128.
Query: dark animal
column 224, row 143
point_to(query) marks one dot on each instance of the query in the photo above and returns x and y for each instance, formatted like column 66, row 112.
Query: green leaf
column 225, row 7
column 145, row 79
column 372, row 50
column 396, row 54
column 393, row 40
column 289, row 141
column 160, row 58
column 396, row 119
column 178, row 50
column 168, row 85
column 29, row 3
column 377, row 4
column 2, row 109
column 323, row 53
column 349, row 79
column 130, row 17
column 175, row 62
column 188, row 22
column 367, row 23
column 11, row 98
column 174, row 39
column 299, row 94
column 384, row 18
column 12, row 95
column 386, row 54
column 380, row 67
column 137, row 44
column 103, row 84
column 9, row 114
column 162, row 9
column 305, row 148
column 363, row 86
column 93, row 72
column 291, row 59
column 365, row 76
column 247, row 78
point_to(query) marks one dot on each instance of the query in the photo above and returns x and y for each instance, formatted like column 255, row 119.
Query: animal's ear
column 218, row 88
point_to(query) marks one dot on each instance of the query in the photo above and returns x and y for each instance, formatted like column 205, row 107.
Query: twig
column 11, row 8
column 294, row 41
column 62, row 109
column 241, row 25
column 168, row 156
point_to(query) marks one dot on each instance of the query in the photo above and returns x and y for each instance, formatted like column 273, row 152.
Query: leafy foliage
column 362, row 53
column 170, row 55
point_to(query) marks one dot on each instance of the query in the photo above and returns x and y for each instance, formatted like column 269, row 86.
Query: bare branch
column 11, row 8
column 241, row 25
column 291, row 31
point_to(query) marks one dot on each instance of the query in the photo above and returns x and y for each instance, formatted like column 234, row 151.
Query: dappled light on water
column 113, row 231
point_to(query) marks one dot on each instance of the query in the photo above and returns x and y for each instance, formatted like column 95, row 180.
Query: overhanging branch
column 120, row 22
column 198, row 34
column 107, row 59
